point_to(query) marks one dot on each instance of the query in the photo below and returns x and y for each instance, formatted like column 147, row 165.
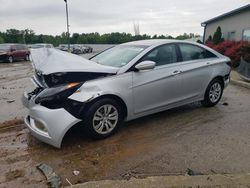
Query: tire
column 27, row 58
column 99, row 125
column 10, row 59
column 213, row 93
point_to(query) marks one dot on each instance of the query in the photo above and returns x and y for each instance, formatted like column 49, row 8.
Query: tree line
column 28, row 36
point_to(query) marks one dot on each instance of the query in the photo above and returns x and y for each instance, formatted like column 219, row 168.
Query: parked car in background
column 63, row 47
column 88, row 49
column 76, row 48
column 12, row 52
column 41, row 45
column 123, row 83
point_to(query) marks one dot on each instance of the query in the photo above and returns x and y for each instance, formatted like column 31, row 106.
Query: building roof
column 233, row 12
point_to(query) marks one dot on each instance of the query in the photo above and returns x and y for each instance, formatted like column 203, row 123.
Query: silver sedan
column 125, row 82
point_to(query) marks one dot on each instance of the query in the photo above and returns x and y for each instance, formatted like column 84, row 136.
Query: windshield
column 4, row 47
column 119, row 55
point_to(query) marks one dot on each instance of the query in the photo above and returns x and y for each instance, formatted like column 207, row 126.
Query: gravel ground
column 206, row 140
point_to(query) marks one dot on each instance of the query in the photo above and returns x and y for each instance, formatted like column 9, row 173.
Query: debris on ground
column 190, row 172
column 10, row 101
column 225, row 104
column 126, row 176
column 69, row 182
column 11, row 175
column 52, row 178
column 76, row 173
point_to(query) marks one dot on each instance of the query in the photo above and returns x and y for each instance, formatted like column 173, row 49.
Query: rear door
column 157, row 88
column 14, row 51
column 196, row 70
column 18, row 52
column 22, row 51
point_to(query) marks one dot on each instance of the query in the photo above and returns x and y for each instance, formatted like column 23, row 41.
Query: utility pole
column 23, row 33
column 67, row 17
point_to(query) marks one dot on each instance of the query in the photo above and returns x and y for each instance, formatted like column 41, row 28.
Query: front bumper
column 55, row 123
column 3, row 57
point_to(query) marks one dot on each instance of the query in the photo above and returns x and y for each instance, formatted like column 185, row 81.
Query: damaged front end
column 53, row 91
column 58, row 76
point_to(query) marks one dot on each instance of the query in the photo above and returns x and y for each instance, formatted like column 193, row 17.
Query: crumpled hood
column 49, row 60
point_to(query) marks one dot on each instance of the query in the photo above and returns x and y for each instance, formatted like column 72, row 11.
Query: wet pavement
column 208, row 140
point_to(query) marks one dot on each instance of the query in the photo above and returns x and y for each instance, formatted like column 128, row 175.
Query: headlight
column 57, row 94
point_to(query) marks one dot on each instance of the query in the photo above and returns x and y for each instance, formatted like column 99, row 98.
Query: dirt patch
column 11, row 175
column 11, row 125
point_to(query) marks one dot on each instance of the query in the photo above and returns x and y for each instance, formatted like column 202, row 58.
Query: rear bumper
column 226, row 81
column 47, row 125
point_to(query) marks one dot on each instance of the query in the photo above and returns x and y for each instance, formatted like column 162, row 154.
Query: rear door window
column 192, row 52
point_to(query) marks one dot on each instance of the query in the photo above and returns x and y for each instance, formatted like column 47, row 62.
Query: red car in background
column 12, row 52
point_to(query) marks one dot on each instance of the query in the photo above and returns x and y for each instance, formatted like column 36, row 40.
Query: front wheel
column 213, row 93
column 103, row 118
column 10, row 59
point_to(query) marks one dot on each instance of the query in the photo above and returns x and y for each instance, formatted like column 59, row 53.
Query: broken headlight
column 57, row 94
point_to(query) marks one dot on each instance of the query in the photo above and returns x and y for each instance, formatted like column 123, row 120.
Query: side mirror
column 12, row 49
column 145, row 65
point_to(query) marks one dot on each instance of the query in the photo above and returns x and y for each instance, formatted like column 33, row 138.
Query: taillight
column 229, row 63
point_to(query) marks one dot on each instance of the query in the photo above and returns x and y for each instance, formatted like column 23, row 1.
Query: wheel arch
column 221, row 78
column 116, row 98
column 214, row 78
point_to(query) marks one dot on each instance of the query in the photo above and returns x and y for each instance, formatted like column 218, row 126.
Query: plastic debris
column 53, row 179
column 76, row 173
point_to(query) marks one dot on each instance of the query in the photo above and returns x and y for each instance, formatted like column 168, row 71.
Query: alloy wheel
column 215, row 92
column 105, row 119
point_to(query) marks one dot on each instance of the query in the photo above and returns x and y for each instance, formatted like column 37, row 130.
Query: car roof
column 42, row 44
column 152, row 42
column 11, row 44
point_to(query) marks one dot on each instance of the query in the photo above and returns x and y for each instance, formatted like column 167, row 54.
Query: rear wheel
column 213, row 93
column 103, row 118
column 27, row 57
column 10, row 59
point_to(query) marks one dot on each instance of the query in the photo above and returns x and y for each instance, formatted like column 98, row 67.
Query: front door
column 157, row 88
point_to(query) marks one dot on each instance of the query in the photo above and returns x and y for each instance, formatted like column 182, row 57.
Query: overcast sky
column 171, row 17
